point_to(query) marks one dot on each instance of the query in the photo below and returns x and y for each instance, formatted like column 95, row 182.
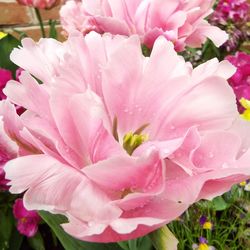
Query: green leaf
column 6, row 225
column 145, row 243
column 52, row 30
column 68, row 242
column 219, row 204
column 210, row 51
column 16, row 240
column 7, row 44
column 37, row 242
column 163, row 239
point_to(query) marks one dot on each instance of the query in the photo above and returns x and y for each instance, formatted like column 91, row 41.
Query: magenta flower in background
column 236, row 11
column 27, row 221
column 182, row 22
column 7, row 147
column 232, row 16
column 240, row 81
column 5, row 76
column 121, row 144
column 40, row 4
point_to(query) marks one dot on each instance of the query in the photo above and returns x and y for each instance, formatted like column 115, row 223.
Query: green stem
column 38, row 15
column 132, row 244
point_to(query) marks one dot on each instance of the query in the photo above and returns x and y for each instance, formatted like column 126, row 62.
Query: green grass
column 231, row 222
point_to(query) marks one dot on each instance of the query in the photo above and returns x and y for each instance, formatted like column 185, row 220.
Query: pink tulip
column 40, row 4
column 27, row 221
column 182, row 22
column 120, row 143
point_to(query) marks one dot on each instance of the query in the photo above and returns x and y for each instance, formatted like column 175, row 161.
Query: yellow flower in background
column 2, row 34
column 208, row 225
column 246, row 104
column 203, row 246
column 243, row 184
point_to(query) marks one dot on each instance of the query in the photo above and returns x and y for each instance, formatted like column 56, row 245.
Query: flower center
column 23, row 220
column 131, row 141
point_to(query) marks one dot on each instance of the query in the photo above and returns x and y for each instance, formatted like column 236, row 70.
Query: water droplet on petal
column 126, row 110
column 225, row 165
column 211, row 155
column 172, row 127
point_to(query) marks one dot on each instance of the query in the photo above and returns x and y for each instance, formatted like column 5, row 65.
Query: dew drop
column 126, row 110
column 172, row 127
column 225, row 165
column 211, row 155
column 244, row 150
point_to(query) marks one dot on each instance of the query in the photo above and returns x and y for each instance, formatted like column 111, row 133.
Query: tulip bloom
column 120, row 143
column 40, row 4
column 182, row 22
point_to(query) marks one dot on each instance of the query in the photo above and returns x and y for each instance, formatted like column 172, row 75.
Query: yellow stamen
column 131, row 141
column 23, row 220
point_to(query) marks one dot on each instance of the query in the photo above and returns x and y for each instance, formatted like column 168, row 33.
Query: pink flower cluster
column 120, row 143
column 240, row 81
column 180, row 21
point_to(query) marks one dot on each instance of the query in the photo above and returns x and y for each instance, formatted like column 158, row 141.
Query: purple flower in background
column 27, row 221
column 240, row 81
column 203, row 245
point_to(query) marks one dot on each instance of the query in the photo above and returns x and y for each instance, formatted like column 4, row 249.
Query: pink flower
column 180, row 21
column 5, row 76
column 120, row 143
column 41, row 4
column 240, row 81
column 27, row 221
